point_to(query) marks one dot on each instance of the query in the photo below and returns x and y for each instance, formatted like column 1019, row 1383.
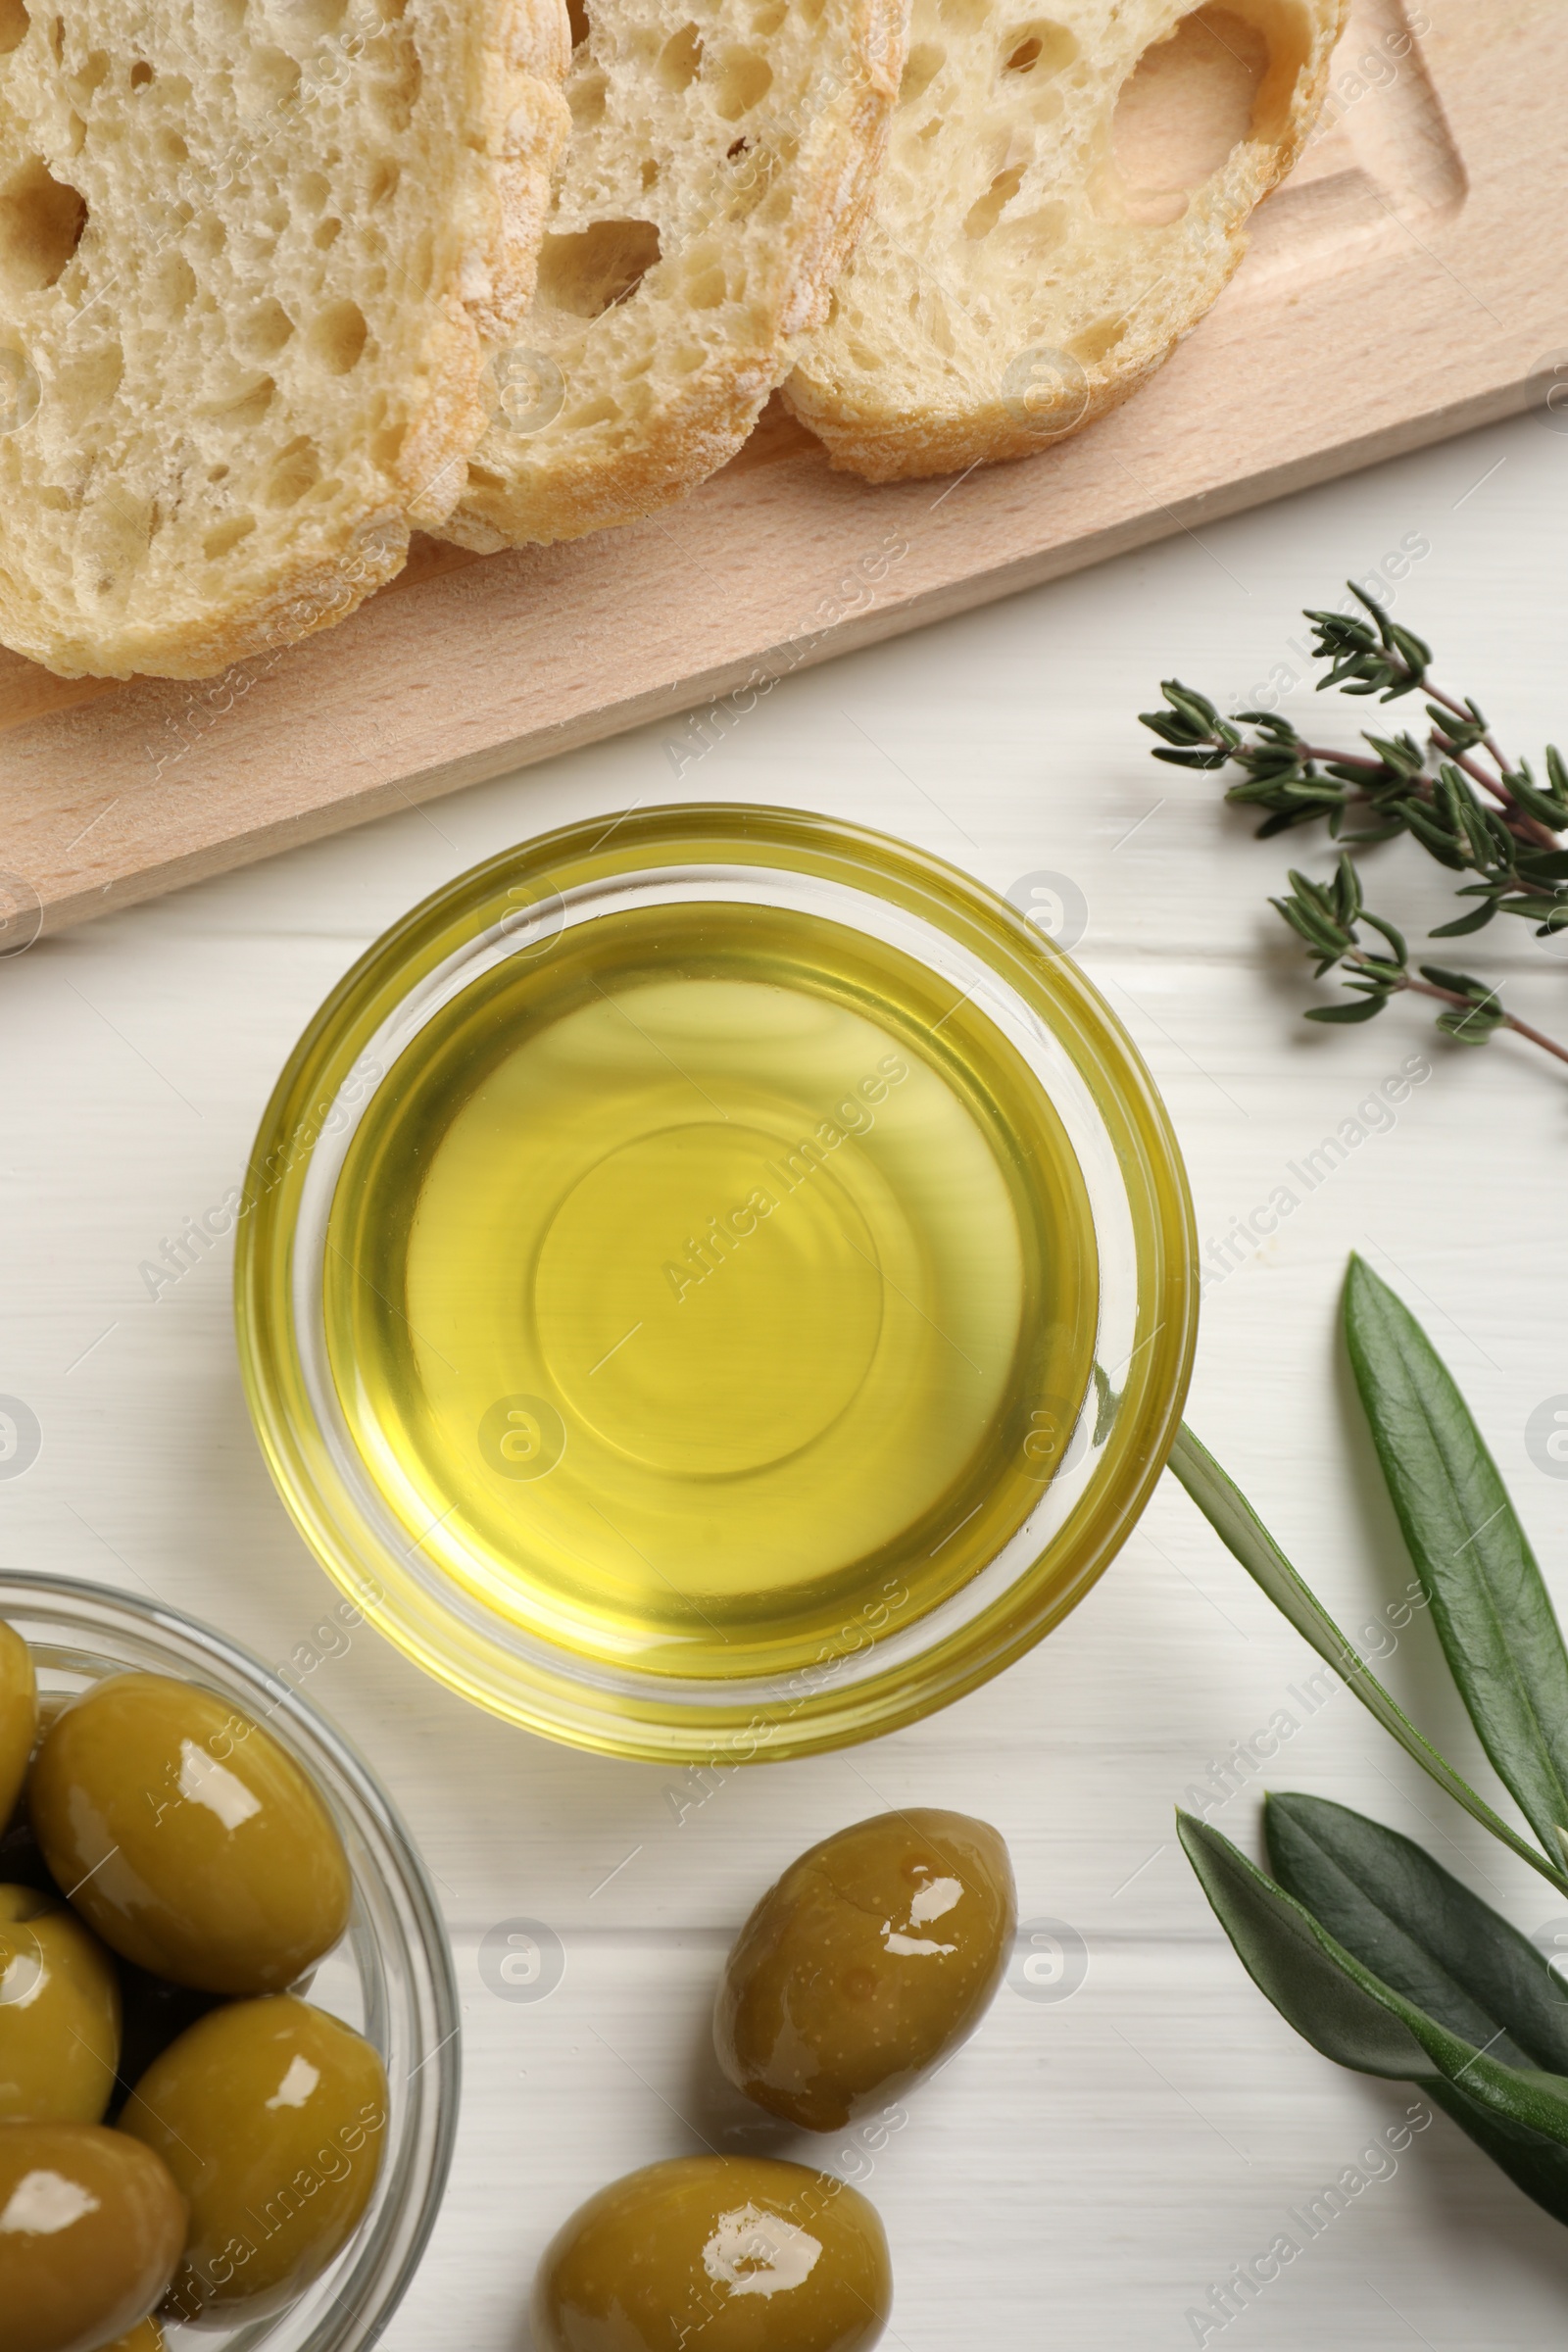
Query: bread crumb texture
column 1064, row 197
column 253, row 255
column 723, row 156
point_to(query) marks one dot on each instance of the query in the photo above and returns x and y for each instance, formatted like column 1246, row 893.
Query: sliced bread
column 723, row 154
column 253, row 257
column 1064, row 197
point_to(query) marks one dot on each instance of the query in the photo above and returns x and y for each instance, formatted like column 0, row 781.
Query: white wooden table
column 1092, row 2164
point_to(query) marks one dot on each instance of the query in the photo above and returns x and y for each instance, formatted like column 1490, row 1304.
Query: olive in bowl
column 59, row 2014
column 269, row 2114
column 745, row 2254
column 876, row 1953
column 18, row 1717
column 91, row 2227
column 186, row 1837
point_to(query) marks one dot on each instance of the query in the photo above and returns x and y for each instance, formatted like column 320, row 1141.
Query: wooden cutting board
column 1407, row 283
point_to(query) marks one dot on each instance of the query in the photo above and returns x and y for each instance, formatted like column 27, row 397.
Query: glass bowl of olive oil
column 714, row 1284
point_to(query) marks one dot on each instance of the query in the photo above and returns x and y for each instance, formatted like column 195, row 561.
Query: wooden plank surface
column 1081, row 2176
column 1405, row 284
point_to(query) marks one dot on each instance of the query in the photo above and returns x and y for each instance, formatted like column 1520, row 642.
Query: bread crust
column 149, row 529
column 1029, row 393
column 567, row 477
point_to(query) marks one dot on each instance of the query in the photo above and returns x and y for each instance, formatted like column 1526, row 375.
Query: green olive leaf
column 1315, row 1986
column 1490, row 1605
column 1413, row 1924
column 1533, row 2162
column 1347, row 2011
column 1239, row 1527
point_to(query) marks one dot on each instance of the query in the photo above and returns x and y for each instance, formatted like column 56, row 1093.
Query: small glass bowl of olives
column 250, row 1935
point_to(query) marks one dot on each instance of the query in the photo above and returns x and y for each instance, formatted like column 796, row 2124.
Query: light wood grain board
column 1406, row 282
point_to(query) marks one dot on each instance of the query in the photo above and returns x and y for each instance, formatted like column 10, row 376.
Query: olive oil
column 708, row 1293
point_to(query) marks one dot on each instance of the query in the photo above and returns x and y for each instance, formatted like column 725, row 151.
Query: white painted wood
column 1086, row 2169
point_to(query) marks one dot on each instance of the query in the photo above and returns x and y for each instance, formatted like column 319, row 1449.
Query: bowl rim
column 79, row 1609
column 480, row 905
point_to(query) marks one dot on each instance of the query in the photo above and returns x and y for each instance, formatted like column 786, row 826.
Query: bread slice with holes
column 723, row 156
column 1064, row 197
column 253, row 257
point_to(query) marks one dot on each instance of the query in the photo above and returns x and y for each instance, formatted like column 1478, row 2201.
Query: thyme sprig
column 1325, row 915
column 1454, row 792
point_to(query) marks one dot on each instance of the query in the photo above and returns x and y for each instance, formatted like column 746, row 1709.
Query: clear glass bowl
column 391, row 1977
column 403, row 1540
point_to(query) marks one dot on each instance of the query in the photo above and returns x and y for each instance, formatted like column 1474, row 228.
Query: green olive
column 146, row 2336
column 732, row 2253
column 21, row 1862
column 19, row 1716
column 59, row 2014
column 876, row 1953
column 269, row 2114
column 187, row 1838
column 90, row 2230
